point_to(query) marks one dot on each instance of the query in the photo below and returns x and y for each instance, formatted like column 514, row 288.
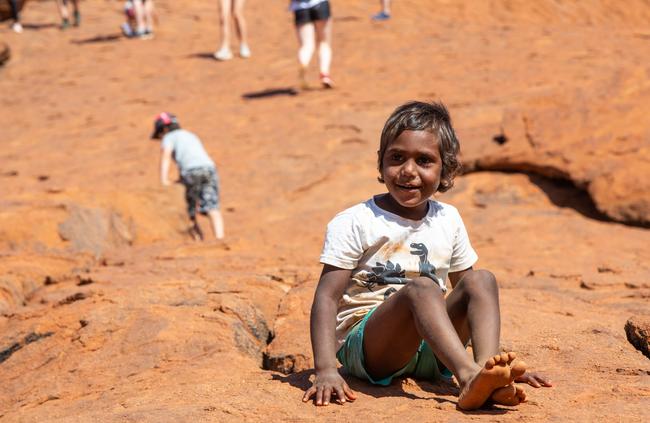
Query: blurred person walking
column 314, row 26
column 65, row 13
column 16, row 26
column 384, row 14
column 232, row 9
column 144, row 10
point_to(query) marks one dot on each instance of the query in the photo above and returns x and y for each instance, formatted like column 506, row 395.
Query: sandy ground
column 147, row 325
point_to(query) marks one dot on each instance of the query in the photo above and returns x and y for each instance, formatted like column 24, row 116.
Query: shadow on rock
column 270, row 92
column 203, row 55
column 563, row 193
column 298, row 380
column 399, row 388
column 99, row 39
column 39, row 26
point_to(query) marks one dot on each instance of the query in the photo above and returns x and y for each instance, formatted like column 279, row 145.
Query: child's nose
column 409, row 168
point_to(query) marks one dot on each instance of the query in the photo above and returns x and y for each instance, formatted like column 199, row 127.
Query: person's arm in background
column 165, row 162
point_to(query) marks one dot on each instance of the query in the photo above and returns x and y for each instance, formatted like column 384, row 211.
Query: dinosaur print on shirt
column 390, row 273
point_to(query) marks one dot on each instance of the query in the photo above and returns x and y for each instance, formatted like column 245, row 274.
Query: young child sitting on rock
column 198, row 172
column 381, row 306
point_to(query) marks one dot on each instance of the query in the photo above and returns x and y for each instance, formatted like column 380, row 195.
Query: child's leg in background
column 14, row 10
column 324, row 38
column 63, row 9
column 225, row 11
column 216, row 219
column 15, row 15
column 16, row 26
column 385, row 6
column 240, row 25
column 148, row 15
column 384, row 13
column 65, row 13
column 76, row 13
column 306, row 34
column 195, row 230
column 138, row 8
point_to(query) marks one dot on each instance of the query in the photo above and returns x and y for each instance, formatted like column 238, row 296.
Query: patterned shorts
column 202, row 189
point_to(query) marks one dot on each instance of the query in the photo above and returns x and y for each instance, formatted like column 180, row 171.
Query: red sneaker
column 326, row 81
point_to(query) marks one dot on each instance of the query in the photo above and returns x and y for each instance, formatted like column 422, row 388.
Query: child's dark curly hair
column 432, row 117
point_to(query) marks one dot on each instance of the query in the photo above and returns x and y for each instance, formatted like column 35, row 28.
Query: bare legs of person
column 384, row 14
column 216, row 222
column 65, row 13
column 308, row 35
column 234, row 9
column 16, row 26
column 144, row 18
column 306, row 40
column 324, row 40
column 148, row 16
column 216, row 219
column 419, row 311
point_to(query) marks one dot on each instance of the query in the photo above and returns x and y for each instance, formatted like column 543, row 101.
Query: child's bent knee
column 426, row 285
column 482, row 280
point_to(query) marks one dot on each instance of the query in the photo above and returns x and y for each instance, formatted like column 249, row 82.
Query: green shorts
column 423, row 365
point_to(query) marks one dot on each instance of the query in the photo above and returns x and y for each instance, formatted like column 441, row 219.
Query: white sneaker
column 17, row 27
column 223, row 54
column 127, row 30
column 244, row 51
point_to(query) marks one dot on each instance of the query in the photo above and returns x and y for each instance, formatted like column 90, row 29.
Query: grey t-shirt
column 188, row 152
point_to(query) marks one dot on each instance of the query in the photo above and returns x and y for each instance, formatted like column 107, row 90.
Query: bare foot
column 508, row 395
column 511, row 394
column 495, row 374
column 517, row 369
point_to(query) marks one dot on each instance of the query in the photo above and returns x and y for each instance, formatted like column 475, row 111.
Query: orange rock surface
column 109, row 312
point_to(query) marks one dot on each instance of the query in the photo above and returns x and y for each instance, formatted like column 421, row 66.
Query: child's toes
column 520, row 394
column 492, row 361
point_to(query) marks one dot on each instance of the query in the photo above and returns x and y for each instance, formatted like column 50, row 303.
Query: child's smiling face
column 411, row 169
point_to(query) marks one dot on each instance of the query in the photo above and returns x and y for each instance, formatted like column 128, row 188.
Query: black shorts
column 320, row 12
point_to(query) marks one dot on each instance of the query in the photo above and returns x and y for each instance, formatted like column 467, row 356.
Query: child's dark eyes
column 424, row 161
column 420, row 161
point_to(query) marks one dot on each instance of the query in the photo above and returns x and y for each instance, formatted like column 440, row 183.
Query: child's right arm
column 328, row 382
column 165, row 161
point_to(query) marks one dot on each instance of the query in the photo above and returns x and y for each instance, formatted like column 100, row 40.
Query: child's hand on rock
column 535, row 380
column 327, row 384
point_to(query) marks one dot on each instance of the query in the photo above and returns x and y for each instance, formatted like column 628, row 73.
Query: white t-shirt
column 385, row 251
column 187, row 150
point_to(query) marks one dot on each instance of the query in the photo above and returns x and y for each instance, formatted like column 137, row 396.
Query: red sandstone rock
column 637, row 330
